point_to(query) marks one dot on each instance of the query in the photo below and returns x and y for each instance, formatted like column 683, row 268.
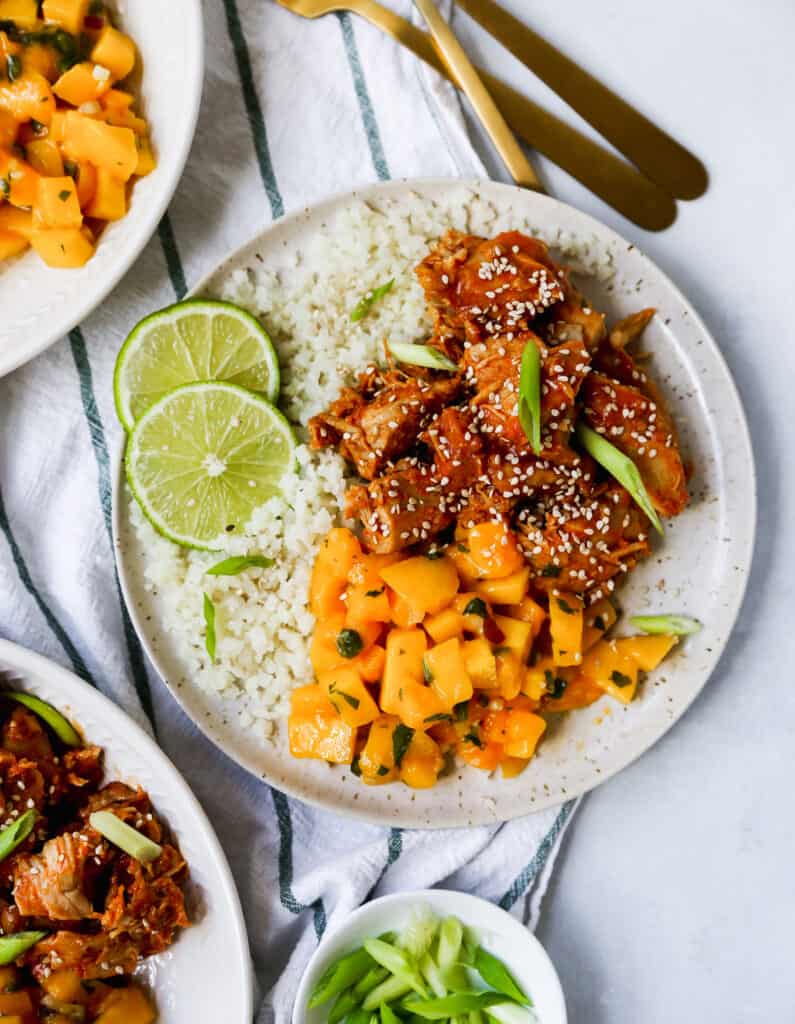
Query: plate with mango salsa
column 455, row 518
column 91, row 147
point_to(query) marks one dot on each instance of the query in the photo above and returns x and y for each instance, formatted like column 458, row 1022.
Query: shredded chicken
column 103, row 910
column 436, row 450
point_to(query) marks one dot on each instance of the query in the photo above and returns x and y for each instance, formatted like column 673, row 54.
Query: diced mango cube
column 69, row 14
column 109, row 201
column 426, row 584
column 565, row 626
column 115, row 51
column 421, row 763
column 62, row 247
column 349, row 696
column 45, row 157
column 102, row 145
column 56, row 204
column 505, row 590
column 11, row 244
column 447, row 673
column 23, row 12
column 82, row 83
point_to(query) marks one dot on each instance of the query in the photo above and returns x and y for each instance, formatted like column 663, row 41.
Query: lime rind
column 189, row 342
column 223, row 499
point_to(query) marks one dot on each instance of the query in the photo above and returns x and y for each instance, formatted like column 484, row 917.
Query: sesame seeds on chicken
column 436, row 450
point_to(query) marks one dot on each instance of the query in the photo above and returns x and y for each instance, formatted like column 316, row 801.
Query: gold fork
column 616, row 182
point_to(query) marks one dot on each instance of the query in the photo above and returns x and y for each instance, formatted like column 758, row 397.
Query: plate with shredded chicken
column 518, row 528
column 116, row 900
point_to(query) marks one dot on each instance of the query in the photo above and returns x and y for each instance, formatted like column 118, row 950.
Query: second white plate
column 206, row 974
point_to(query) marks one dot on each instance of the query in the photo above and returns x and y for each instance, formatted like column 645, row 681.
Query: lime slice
column 196, row 340
column 203, row 457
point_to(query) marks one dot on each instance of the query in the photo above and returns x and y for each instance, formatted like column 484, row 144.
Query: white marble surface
column 674, row 898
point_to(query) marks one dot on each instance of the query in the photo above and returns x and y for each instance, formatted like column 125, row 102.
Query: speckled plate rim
column 145, row 763
column 412, row 813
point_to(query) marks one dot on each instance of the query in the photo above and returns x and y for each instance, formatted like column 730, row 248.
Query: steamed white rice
column 263, row 624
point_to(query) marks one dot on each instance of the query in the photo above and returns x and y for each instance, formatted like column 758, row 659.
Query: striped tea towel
column 292, row 110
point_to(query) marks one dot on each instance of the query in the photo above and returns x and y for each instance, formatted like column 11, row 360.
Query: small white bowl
column 500, row 934
column 41, row 304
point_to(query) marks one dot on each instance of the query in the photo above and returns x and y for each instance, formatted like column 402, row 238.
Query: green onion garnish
column 63, row 729
column 209, row 621
column 621, row 467
column 675, row 625
column 127, row 838
column 421, row 355
column 235, row 565
column 396, row 962
column 12, row 946
column 453, row 1005
column 495, row 973
column 341, row 974
column 365, row 304
column 17, row 832
column 530, row 395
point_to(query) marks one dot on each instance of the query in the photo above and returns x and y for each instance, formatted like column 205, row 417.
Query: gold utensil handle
column 612, row 179
column 466, row 78
column 659, row 156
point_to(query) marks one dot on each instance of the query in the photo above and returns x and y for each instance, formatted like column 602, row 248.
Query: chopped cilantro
column 401, row 740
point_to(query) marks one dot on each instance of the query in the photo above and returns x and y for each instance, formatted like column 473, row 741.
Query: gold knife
column 616, row 182
column 659, row 156
column 467, row 79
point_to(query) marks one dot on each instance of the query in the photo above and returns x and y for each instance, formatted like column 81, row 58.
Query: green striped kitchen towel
column 292, row 110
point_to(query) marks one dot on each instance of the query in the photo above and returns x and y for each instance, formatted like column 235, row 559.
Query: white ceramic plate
column 206, row 974
column 41, row 304
column 701, row 568
column 501, row 934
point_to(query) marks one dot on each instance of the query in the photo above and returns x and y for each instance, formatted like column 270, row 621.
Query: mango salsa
column 65, row 115
column 422, row 656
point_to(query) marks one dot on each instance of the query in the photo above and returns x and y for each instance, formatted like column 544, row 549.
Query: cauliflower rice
column 263, row 623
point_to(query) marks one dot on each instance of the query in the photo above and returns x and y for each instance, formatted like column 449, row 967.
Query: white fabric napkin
column 292, row 111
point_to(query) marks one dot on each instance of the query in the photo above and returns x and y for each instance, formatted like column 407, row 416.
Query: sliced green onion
column 16, row 833
column 448, row 1006
column 124, row 836
column 388, row 1015
column 495, row 973
column 235, row 565
column 475, row 1017
column 530, row 395
column 416, row 938
column 451, row 934
column 373, row 978
column 393, row 988
column 676, row 625
column 429, row 969
column 342, row 974
column 358, row 1017
column 395, row 960
column 421, row 355
column 12, row 946
column 62, row 728
column 209, row 621
column 345, row 1003
column 510, row 1013
column 621, row 467
column 365, row 304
